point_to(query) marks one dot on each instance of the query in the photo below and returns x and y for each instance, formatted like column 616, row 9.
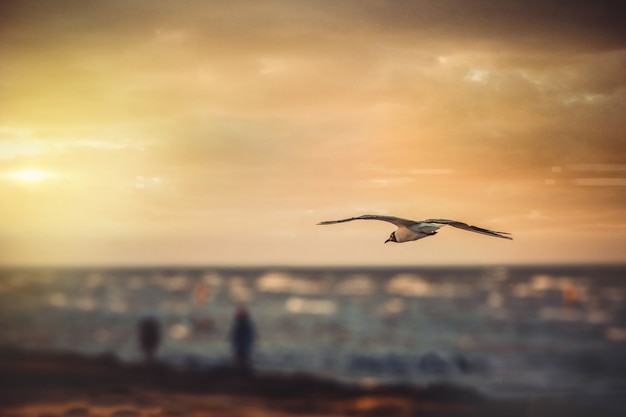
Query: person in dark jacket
column 242, row 339
column 149, row 338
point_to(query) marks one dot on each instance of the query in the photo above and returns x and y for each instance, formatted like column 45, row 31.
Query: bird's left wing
column 391, row 219
column 465, row 226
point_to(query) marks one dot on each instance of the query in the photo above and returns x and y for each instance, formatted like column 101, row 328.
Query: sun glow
column 29, row 175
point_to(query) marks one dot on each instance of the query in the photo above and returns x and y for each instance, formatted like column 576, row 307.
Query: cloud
column 234, row 81
column 22, row 143
column 527, row 24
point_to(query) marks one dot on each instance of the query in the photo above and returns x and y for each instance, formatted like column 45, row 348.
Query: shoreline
column 74, row 385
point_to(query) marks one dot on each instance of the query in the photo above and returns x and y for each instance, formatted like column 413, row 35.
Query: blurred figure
column 149, row 338
column 571, row 299
column 242, row 339
column 201, row 293
column 201, row 296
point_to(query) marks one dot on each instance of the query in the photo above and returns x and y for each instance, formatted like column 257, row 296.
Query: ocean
column 518, row 331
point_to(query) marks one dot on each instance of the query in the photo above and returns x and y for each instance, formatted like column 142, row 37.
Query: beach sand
column 71, row 385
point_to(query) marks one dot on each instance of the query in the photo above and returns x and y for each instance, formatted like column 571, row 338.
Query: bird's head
column 392, row 238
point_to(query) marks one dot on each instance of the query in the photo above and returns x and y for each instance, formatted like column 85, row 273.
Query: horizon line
column 312, row 266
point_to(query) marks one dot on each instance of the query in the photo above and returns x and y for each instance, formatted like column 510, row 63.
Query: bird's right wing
column 391, row 219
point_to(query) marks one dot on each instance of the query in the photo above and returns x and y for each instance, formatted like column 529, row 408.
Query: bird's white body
column 409, row 230
column 416, row 231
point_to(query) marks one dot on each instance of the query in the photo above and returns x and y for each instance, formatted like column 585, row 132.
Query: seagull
column 409, row 230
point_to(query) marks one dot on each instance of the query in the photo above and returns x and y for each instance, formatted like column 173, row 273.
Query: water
column 507, row 331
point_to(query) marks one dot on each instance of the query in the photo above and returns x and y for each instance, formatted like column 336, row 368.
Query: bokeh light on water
column 502, row 330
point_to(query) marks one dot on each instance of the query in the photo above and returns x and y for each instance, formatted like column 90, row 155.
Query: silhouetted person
column 149, row 338
column 571, row 299
column 242, row 339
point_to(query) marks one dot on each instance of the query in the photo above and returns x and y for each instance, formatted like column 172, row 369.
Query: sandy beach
column 70, row 385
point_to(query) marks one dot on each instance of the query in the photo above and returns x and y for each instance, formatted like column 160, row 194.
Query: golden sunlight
column 29, row 175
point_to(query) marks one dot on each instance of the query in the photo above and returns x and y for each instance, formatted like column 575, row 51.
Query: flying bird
column 409, row 230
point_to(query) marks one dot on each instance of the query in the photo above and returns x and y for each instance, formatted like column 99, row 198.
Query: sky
column 219, row 133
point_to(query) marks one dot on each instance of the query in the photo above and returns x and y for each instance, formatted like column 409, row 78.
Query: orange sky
column 221, row 132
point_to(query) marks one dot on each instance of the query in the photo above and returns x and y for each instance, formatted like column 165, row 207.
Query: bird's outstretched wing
column 465, row 226
column 391, row 219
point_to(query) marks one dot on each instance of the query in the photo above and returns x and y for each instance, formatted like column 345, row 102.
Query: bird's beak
column 388, row 240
